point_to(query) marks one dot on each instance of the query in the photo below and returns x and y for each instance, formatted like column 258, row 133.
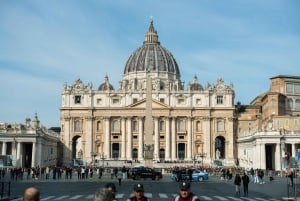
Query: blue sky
column 44, row 44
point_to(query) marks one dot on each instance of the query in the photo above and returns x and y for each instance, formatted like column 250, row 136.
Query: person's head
column 138, row 190
column 185, row 189
column 103, row 194
column 31, row 194
column 112, row 187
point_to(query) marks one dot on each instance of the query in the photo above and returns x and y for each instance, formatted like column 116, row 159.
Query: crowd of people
column 241, row 179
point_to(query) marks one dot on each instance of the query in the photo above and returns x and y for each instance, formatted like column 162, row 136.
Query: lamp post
column 102, row 157
column 202, row 155
column 93, row 155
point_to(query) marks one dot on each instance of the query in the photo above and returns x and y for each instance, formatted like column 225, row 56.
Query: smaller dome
column 195, row 86
column 106, row 85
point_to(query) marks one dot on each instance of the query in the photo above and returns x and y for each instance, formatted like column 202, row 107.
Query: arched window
column 290, row 103
column 76, row 125
column 99, row 125
column 219, row 147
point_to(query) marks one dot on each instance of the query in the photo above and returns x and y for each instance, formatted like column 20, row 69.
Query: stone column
column 141, row 144
column 189, row 140
column 168, row 143
column 33, row 155
column 67, row 140
column 123, row 144
column 129, row 139
column 39, row 159
column 293, row 150
column 89, row 138
column 173, row 140
column 262, row 156
column 4, row 148
column 19, row 158
column 107, row 138
column 156, row 138
column 277, row 157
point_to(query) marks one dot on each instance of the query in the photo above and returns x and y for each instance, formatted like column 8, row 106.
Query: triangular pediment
column 142, row 104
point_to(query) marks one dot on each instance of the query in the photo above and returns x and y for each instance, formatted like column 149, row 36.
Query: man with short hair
column 185, row 193
column 103, row 194
column 31, row 194
column 138, row 191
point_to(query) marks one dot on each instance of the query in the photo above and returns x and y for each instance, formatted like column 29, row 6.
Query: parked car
column 184, row 175
column 144, row 172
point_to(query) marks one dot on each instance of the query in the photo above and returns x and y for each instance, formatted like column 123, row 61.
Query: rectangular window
column 99, row 101
column 134, row 100
column 115, row 101
column 162, row 100
column 198, row 101
column 181, row 126
column 219, row 100
column 161, row 125
column 77, row 99
column 220, row 126
column 297, row 89
column 180, row 101
column 289, row 88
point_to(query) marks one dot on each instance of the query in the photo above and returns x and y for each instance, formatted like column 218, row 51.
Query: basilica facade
column 150, row 109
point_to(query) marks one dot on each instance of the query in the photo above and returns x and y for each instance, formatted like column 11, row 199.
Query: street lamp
column 93, row 155
column 202, row 154
column 102, row 157
column 195, row 158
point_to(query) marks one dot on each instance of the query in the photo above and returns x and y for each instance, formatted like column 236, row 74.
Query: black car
column 145, row 172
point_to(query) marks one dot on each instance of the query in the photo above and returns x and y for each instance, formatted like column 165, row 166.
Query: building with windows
column 28, row 145
column 151, row 109
column 269, row 128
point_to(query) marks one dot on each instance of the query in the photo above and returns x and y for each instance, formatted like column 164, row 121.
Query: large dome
column 152, row 57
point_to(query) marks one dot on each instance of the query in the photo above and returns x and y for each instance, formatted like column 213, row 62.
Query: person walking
column 246, row 181
column 138, row 191
column 185, row 193
column 237, row 183
column 120, row 176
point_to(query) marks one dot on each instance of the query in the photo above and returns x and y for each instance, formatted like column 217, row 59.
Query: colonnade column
column 189, row 140
column 107, row 138
column 19, row 160
column 4, row 148
column 123, row 144
column 141, row 136
column 129, row 140
column 156, row 139
column 168, row 143
column 277, row 157
column 39, row 161
column 293, row 150
column 173, row 143
column 262, row 156
column 33, row 153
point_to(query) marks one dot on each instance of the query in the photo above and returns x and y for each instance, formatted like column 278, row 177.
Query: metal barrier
column 5, row 190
